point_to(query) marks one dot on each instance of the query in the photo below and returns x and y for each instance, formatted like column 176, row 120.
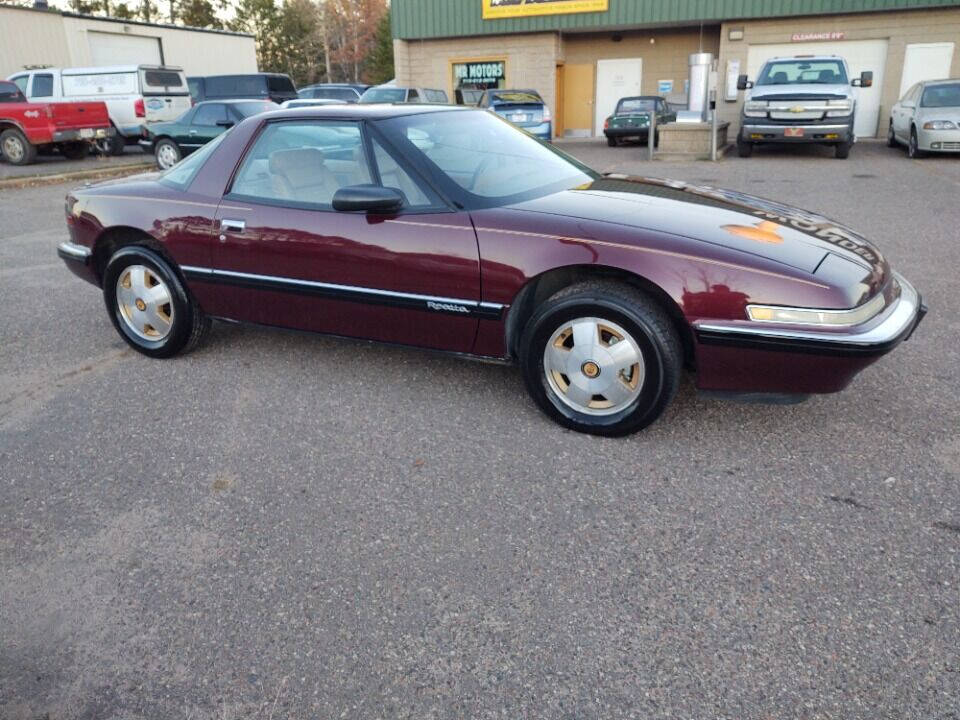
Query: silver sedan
column 927, row 118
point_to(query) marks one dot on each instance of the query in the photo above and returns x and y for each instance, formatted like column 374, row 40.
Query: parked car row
column 927, row 118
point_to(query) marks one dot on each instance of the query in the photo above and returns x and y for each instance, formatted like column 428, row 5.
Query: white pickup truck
column 134, row 94
column 800, row 99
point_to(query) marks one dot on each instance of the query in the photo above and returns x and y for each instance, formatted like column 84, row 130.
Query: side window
column 913, row 93
column 303, row 163
column 394, row 176
column 210, row 114
column 21, row 82
column 42, row 85
column 413, row 96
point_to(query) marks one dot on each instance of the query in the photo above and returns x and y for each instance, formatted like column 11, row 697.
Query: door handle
column 193, row 132
column 232, row 225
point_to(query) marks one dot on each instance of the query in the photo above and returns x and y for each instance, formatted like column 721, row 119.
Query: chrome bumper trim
column 71, row 251
column 899, row 319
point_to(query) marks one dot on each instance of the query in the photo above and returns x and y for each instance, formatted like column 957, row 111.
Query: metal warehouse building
column 50, row 38
column 582, row 55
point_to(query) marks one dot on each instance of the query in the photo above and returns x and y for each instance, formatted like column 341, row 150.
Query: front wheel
column 601, row 358
column 913, row 147
column 744, row 149
column 891, row 136
column 842, row 150
column 148, row 304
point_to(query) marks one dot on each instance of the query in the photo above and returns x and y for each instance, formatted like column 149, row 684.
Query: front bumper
column 83, row 134
column 938, row 140
column 543, row 131
column 79, row 259
column 812, row 133
column 745, row 356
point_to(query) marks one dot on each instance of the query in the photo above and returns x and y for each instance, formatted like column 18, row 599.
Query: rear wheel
column 16, row 148
column 612, row 141
column 891, row 136
column 74, row 150
column 148, row 304
column 601, row 358
column 167, row 153
column 744, row 148
column 112, row 145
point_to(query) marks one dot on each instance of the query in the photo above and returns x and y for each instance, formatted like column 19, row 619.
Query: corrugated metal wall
column 413, row 19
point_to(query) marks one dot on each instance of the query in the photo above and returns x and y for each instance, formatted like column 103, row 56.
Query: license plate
column 86, row 133
column 518, row 117
column 793, row 132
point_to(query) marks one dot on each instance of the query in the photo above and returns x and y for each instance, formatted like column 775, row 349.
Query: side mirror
column 865, row 79
column 367, row 198
column 743, row 83
column 225, row 123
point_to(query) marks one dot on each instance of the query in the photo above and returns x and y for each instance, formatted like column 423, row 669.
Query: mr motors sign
column 811, row 36
column 478, row 71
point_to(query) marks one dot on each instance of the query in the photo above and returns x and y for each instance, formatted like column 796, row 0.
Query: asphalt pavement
column 56, row 164
column 289, row 526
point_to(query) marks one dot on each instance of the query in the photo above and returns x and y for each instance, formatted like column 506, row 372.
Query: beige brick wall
column 531, row 61
column 665, row 58
column 898, row 28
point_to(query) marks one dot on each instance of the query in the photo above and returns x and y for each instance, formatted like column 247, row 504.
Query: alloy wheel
column 594, row 366
column 167, row 156
column 144, row 302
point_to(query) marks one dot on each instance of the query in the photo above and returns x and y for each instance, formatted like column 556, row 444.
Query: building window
column 479, row 75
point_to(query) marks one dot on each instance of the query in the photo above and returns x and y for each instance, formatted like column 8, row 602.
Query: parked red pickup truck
column 27, row 128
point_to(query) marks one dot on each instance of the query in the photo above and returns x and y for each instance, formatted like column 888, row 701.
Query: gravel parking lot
column 287, row 526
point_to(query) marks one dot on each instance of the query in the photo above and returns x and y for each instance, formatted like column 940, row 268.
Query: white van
column 134, row 94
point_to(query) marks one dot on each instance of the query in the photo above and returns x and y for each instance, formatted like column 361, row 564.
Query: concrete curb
column 92, row 174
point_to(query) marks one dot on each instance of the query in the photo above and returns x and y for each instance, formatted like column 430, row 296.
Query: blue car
column 524, row 108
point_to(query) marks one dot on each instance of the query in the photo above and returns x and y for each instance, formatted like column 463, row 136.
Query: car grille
column 950, row 146
column 807, row 115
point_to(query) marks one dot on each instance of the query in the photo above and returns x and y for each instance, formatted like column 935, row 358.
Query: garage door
column 116, row 49
column 925, row 61
column 615, row 79
column 860, row 55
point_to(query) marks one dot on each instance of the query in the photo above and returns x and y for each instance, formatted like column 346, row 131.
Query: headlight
column 755, row 108
column 804, row 316
column 939, row 125
column 839, row 108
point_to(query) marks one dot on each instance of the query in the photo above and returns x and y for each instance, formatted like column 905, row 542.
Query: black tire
column 891, row 136
column 744, row 148
column 612, row 141
column 189, row 324
column 164, row 146
column 648, row 326
column 112, row 145
column 842, row 150
column 74, row 150
column 16, row 148
column 913, row 150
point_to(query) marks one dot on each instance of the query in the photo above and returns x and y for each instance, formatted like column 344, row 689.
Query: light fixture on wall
column 616, row 37
column 653, row 41
column 735, row 34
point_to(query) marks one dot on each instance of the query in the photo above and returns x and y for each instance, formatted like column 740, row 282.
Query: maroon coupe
column 450, row 229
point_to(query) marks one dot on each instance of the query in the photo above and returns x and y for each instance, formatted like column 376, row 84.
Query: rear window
column 249, row 109
column 516, row 97
column 941, row 96
column 332, row 94
column 194, row 85
column 235, row 86
column 280, row 83
column 166, row 79
column 435, row 96
column 384, row 95
column 630, row 105
column 10, row 93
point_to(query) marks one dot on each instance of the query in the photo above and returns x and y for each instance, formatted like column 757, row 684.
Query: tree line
column 310, row 40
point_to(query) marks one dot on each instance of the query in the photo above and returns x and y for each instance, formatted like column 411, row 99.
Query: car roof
column 355, row 111
column 232, row 101
column 945, row 81
column 110, row 69
column 640, row 97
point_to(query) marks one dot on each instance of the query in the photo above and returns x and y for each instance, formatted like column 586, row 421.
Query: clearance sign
column 495, row 9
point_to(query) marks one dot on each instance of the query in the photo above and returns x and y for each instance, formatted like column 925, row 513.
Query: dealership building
column 583, row 55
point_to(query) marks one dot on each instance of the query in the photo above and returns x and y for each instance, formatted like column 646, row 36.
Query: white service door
column 925, row 61
column 117, row 49
column 860, row 55
column 615, row 79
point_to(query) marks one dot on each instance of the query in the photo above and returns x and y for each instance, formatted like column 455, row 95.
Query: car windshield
column 803, row 72
column 941, row 96
column 631, row 105
column 384, row 95
column 254, row 107
column 486, row 157
column 181, row 175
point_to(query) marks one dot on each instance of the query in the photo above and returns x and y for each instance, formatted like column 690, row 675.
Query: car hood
column 939, row 113
column 725, row 218
column 800, row 91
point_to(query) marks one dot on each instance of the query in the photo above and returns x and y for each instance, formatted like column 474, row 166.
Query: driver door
column 288, row 258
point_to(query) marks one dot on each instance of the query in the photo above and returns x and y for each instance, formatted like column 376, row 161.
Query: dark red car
column 448, row 228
